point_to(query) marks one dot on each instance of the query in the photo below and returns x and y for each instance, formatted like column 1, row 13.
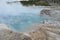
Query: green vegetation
column 41, row 2
column 37, row 3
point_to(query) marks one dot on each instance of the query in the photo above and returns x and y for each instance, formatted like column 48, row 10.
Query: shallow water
column 19, row 17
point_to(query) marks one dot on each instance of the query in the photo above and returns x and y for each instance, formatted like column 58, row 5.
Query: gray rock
column 46, row 12
column 51, row 13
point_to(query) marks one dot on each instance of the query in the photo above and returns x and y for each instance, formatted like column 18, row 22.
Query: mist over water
column 19, row 17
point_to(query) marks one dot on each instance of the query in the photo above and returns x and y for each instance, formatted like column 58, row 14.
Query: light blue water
column 18, row 17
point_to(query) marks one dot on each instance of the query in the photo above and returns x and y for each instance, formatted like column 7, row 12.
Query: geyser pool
column 19, row 17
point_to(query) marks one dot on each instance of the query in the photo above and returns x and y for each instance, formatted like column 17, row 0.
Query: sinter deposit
column 43, row 32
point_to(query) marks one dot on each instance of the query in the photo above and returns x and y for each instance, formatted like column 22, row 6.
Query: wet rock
column 46, row 12
column 52, row 13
